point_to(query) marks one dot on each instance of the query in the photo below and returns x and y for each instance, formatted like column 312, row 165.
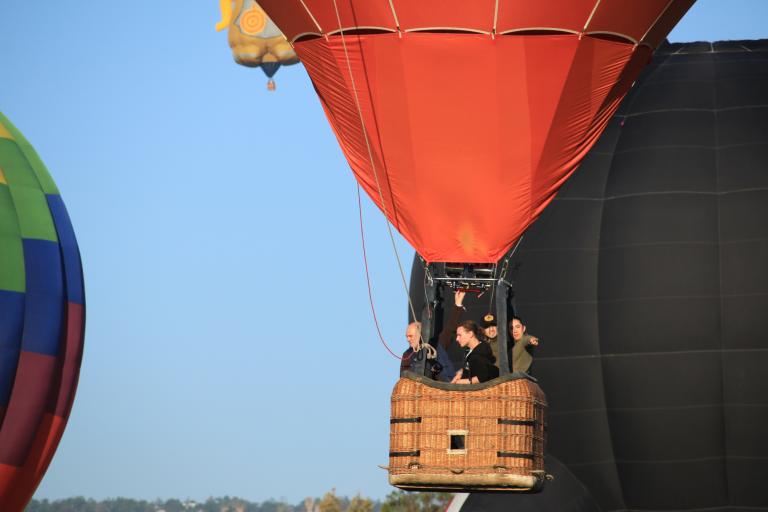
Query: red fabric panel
column 30, row 434
column 668, row 21
column 614, row 16
column 443, row 136
column 475, row 15
column 18, row 484
column 70, row 359
column 563, row 14
column 353, row 13
column 8, row 483
column 289, row 16
column 27, row 406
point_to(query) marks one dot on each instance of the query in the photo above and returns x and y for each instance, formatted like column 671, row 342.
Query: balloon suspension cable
column 368, row 277
column 493, row 288
column 504, row 269
column 422, row 343
column 427, row 279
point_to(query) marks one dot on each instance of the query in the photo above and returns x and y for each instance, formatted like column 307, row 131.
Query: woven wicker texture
column 501, row 427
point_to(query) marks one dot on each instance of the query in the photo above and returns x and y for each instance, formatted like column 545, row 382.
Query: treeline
column 397, row 501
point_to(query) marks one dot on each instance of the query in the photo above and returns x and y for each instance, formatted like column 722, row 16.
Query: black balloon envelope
column 647, row 282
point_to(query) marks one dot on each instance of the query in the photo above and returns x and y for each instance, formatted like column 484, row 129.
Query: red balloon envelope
column 461, row 119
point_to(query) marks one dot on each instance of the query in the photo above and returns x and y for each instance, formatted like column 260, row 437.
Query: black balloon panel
column 550, row 277
column 744, row 215
column 667, row 128
column 577, row 213
column 742, row 126
column 745, row 267
column 745, row 168
column 656, row 325
column 674, row 485
column 676, row 443
column 658, row 271
column 577, row 322
column 663, row 170
column 658, row 96
column 659, row 218
column 745, row 322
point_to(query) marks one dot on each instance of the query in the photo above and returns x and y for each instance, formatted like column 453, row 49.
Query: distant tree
column 39, row 506
column 284, row 507
column 77, row 504
column 360, row 504
column 270, row 506
column 173, row 506
column 401, row 501
column 124, row 505
column 330, row 502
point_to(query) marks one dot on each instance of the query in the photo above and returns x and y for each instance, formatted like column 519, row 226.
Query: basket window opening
column 457, row 441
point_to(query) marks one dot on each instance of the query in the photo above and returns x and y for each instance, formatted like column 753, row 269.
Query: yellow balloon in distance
column 255, row 40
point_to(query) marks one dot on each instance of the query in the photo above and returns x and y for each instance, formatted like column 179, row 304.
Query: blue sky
column 230, row 347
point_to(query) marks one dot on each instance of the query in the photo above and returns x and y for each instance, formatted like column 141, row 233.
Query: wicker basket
column 478, row 437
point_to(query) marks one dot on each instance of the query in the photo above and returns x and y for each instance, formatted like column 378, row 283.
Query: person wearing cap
column 521, row 352
column 490, row 332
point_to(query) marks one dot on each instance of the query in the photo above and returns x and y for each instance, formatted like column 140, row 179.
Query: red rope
column 368, row 277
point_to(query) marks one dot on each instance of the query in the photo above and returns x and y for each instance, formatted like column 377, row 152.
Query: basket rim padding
column 466, row 387
column 503, row 480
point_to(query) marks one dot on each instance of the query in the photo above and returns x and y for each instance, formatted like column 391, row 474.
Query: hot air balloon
column 254, row 38
column 429, row 98
column 42, row 322
column 653, row 258
column 461, row 120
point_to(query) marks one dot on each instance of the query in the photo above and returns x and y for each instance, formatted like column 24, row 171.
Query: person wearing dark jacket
column 479, row 363
column 447, row 338
column 438, row 364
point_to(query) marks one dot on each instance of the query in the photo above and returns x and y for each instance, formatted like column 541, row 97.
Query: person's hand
column 534, row 341
column 458, row 297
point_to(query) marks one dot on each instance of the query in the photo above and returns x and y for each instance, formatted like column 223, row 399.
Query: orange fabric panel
column 474, row 15
column 289, row 16
column 461, row 127
column 613, row 16
column 564, row 14
column 633, row 19
column 667, row 22
column 18, row 484
column 353, row 13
